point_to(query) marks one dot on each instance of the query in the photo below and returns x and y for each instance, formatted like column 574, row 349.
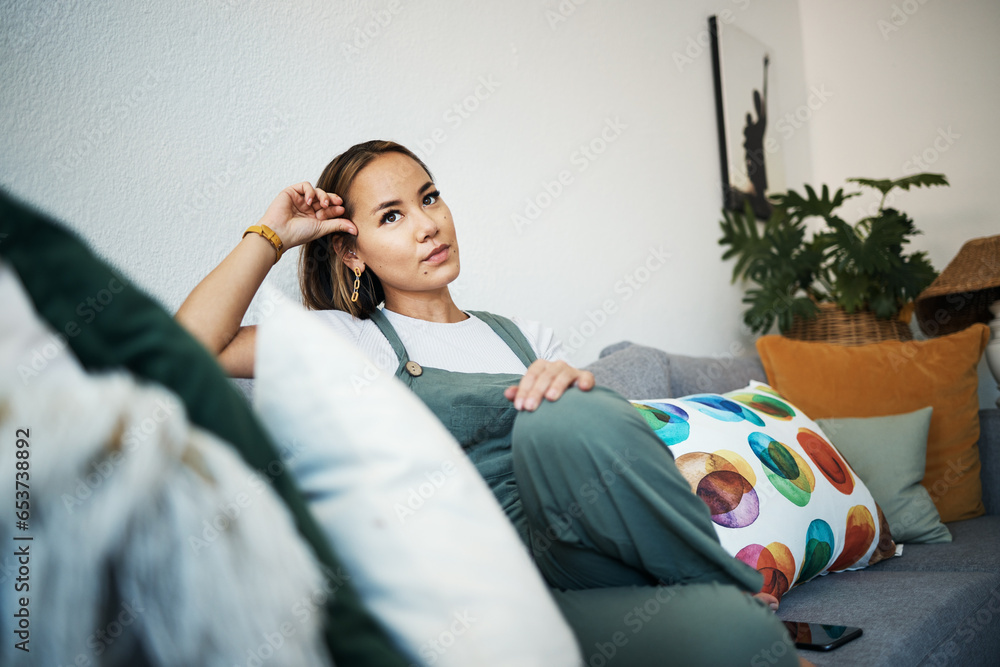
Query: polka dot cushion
column 782, row 498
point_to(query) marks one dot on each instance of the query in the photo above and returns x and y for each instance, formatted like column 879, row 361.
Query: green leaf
column 883, row 305
column 882, row 185
column 740, row 232
column 917, row 180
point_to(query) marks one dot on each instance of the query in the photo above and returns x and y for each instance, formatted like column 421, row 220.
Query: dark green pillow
column 110, row 323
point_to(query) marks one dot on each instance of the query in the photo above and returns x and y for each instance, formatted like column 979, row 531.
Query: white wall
column 160, row 131
column 916, row 87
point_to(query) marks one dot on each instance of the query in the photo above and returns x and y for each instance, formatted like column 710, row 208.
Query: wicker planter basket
column 835, row 325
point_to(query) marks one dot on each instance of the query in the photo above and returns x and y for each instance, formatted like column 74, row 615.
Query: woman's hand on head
column 301, row 213
column 547, row 380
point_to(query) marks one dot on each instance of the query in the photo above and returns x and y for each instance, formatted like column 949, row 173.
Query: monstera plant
column 860, row 266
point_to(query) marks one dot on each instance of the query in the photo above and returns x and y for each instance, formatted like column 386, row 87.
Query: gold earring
column 357, row 284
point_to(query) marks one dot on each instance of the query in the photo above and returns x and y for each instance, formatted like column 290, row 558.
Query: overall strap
column 383, row 324
column 510, row 333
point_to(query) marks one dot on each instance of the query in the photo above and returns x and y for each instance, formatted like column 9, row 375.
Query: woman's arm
column 214, row 309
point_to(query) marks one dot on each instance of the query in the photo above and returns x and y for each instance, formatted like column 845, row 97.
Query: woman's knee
column 578, row 418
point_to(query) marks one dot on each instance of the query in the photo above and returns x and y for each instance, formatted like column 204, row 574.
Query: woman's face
column 405, row 231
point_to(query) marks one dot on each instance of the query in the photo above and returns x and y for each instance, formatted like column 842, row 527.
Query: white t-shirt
column 470, row 346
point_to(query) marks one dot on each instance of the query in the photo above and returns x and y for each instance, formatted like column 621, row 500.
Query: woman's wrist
column 264, row 245
column 268, row 234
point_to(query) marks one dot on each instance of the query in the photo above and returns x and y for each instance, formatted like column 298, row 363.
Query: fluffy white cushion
column 420, row 534
column 145, row 528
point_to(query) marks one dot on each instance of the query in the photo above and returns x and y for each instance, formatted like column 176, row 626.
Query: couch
column 937, row 604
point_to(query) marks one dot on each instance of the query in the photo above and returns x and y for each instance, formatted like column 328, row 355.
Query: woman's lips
column 439, row 255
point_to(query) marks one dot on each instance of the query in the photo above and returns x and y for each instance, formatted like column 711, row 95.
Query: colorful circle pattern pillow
column 782, row 498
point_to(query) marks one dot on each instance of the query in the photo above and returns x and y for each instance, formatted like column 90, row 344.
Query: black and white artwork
column 741, row 66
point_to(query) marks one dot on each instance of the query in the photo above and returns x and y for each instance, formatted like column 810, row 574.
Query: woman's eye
column 431, row 197
column 391, row 216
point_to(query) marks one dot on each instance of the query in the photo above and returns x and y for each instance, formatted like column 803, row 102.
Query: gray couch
column 938, row 604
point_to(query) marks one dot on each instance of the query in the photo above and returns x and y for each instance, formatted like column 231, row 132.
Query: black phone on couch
column 820, row 636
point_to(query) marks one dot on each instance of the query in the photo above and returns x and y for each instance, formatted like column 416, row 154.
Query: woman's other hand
column 301, row 213
column 547, row 380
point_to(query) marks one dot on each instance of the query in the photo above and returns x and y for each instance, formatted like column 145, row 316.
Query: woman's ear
column 345, row 251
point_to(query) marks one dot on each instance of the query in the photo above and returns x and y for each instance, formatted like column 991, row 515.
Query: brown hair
column 327, row 283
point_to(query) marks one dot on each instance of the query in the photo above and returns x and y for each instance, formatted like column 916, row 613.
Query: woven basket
column 835, row 325
column 962, row 294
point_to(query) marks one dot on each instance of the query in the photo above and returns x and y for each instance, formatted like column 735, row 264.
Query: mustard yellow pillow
column 831, row 381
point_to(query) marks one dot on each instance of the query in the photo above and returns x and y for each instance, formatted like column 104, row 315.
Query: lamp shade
column 962, row 294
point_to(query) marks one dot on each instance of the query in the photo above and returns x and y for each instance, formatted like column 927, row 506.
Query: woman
column 588, row 485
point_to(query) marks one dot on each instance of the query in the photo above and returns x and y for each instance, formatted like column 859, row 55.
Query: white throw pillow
column 424, row 541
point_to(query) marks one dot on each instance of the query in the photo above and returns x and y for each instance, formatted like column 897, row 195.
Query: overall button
column 414, row 369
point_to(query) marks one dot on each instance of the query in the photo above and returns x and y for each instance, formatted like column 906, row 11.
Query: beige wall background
column 574, row 140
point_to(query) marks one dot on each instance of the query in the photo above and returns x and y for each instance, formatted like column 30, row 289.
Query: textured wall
column 160, row 131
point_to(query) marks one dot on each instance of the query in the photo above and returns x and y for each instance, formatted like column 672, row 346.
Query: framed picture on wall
column 741, row 67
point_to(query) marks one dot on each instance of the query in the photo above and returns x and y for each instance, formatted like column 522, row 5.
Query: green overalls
column 597, row 498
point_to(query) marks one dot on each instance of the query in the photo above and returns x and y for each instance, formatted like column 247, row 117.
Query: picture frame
column 741, row 67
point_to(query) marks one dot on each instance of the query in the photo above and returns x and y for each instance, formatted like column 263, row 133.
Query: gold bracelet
column 268, row 234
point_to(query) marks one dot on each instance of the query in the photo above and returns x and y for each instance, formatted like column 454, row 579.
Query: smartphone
column 820, row 636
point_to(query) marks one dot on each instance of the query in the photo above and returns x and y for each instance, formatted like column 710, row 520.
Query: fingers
column 339, row 225
column 312, row 201
column 546, row 380
column 309, row 193
column 327, row 200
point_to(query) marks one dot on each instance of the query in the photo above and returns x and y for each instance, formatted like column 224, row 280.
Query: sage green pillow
column 109, row 323
column 889, row 453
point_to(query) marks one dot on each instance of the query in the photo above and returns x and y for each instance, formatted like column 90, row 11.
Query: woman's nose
column 426, row 225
